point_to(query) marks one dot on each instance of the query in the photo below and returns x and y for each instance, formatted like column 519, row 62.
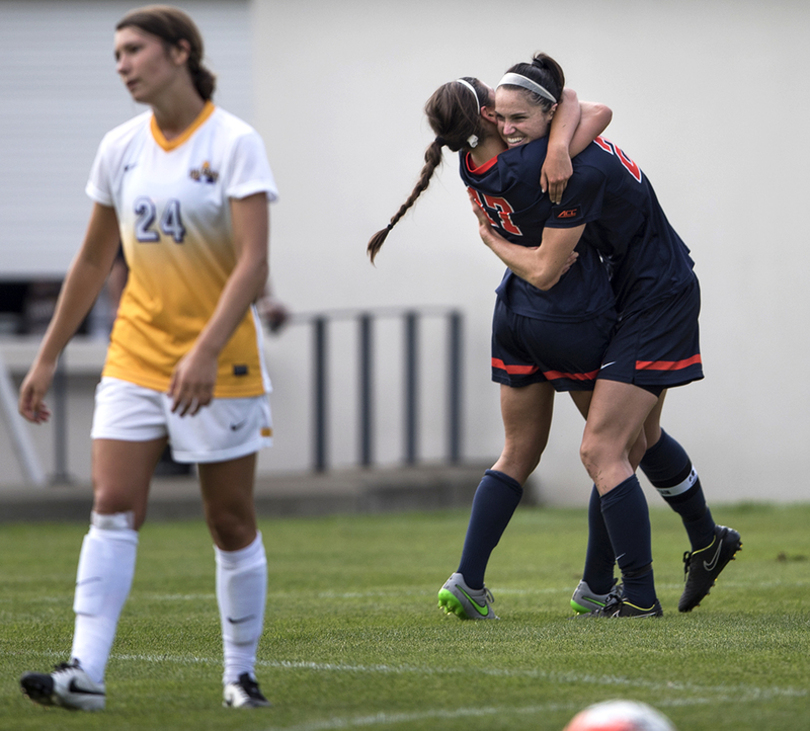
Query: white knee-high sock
column 241, row 594
column 103, row 581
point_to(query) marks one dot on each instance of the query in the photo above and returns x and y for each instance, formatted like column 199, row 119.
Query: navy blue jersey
column 625, row 222
column 508, row 188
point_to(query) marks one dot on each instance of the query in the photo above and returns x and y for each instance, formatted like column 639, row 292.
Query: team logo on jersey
column 204, row 173
column 568, row 213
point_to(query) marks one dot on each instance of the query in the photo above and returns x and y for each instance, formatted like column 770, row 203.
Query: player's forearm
column 564, row 123
column 250, row 219
column 84, row 280
column 529, row 263
column 593, row 121
column 244, row 285
column 78, row 293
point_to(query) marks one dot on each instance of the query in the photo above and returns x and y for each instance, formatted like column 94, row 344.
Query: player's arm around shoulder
column 575, row 125
column 594, row 119
column 557, row 167
column 553, row 257
column 541, row 266
column 193, row 380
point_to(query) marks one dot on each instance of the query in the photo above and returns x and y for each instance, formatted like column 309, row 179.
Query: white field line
column 738, row 692
column 391, row 719
column 686, row 694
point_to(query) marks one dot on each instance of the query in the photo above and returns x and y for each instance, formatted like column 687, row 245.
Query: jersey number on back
column 171, row 222
column 631, row 167
column 500, row 207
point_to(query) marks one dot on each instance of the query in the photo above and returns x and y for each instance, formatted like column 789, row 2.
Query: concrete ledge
column 339, row 492
column 82, row 356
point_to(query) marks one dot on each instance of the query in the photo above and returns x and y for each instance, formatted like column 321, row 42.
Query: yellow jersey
column 172, row 199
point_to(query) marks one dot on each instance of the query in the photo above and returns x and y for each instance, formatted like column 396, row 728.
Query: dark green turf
column 353, row 638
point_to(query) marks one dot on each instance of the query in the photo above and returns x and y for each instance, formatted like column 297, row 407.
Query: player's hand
column 557, row 170
column 569, row 262
column 485, row 229
column 192, row 383
column 273, row 312
column 33, row 389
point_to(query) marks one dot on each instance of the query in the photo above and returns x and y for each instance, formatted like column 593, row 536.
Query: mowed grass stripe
column 427, row 592
column 731, row 691
column 353, row 637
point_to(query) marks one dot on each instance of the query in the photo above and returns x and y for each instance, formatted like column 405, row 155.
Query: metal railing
column 18, row 430
column 366, row 323
column 29, row 462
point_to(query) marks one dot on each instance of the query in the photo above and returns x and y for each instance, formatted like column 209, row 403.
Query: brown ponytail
column 454, row 115
column 433, row 158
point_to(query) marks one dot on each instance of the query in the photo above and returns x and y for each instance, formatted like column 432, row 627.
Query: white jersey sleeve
column 249, row 172
column 108, row 164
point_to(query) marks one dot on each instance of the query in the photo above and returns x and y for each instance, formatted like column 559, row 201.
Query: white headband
column 518, row 80
column 472, row 140
column 471, row 88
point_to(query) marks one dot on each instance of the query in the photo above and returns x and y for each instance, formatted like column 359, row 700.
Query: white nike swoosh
column 606, row 365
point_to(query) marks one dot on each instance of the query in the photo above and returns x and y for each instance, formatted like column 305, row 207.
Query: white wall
column 706, row 97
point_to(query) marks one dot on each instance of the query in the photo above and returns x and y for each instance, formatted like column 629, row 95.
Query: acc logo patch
column 568, row 213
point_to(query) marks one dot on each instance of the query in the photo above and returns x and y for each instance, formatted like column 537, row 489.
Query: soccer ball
column 620, row 716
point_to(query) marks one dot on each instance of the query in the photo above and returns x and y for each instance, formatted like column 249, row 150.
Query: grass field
column 353, row 638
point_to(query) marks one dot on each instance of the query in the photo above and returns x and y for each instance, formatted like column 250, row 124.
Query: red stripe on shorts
column 554, row 375
column 520, row 370
column 667, row 365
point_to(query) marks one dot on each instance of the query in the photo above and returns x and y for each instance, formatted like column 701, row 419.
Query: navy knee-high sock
column 494, row 503
column 628, row 523
column 599, row 557
column 669, row 469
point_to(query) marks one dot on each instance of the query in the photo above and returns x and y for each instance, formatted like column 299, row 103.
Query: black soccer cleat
column 701, row 568
column 67, row 686
column 244, row 693
column 617, row 607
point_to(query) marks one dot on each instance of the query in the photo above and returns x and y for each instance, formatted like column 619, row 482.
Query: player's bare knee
column 231, row 531
column 589, row 454
column 109, row 503
column 518, row 464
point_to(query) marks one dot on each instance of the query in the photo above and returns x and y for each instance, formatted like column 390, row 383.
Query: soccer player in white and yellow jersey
column 184, row 187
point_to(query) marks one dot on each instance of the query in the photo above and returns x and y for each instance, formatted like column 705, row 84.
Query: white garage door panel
column 59, row 94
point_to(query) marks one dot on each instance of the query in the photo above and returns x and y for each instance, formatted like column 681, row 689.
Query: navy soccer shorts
column 567, row 354
column 658, row 347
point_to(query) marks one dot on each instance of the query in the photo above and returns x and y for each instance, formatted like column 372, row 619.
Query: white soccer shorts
column 228, row 428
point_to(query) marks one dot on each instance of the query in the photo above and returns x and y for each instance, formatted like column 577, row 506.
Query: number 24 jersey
column 172, row 199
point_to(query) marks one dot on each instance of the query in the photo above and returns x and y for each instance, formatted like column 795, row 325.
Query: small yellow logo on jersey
column 204, row 173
